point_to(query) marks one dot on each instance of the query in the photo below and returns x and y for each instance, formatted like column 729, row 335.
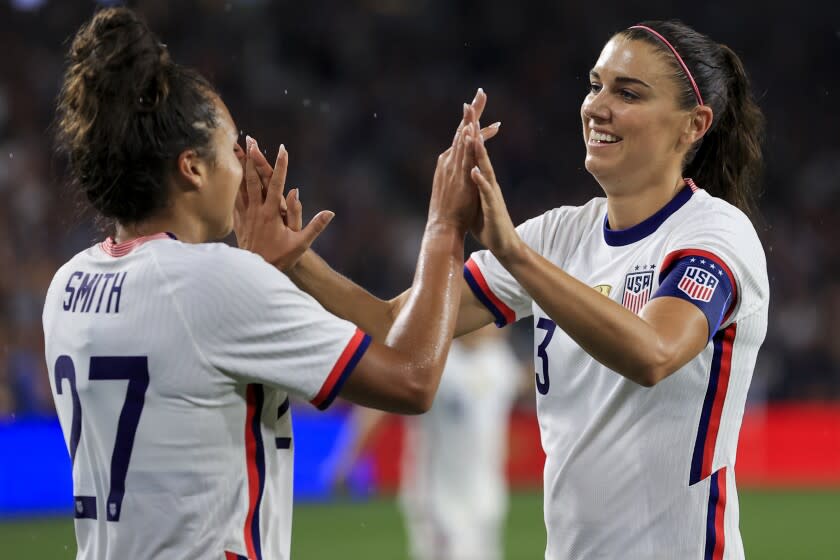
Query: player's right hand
column 261, row 212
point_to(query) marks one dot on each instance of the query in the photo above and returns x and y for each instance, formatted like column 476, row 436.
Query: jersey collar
column 121, row 249
column 619, row 237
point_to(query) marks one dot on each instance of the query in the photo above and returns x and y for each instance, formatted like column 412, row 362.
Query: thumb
column 317, row 225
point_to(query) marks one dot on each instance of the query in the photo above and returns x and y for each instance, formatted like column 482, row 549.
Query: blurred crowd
column 366, row 93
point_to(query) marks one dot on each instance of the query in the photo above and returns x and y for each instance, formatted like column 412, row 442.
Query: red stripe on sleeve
column 338, row 368
column 720, row 511
column 720, row 397
column 508, row 313
column 253, row 473
column 676, row 255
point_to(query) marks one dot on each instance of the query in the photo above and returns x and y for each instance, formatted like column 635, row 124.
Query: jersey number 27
column 135, row 369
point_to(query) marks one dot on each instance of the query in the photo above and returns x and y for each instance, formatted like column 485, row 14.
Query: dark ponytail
column 125, row 113
column 727, row 161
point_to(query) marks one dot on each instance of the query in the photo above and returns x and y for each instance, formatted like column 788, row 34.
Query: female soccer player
column 171, row 359
column 649, row 305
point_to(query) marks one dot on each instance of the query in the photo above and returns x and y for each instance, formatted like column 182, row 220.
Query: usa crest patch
column 637, row 286
column 698, row 284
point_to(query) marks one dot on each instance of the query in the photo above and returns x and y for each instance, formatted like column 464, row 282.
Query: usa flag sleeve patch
column 703, row 280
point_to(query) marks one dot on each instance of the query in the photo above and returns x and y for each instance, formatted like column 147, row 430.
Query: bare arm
column 342, row 297
column 346, row 299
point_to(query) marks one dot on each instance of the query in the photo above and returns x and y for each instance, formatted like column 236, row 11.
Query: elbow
column 647, row 378
column 655, row 367
column 421, row 394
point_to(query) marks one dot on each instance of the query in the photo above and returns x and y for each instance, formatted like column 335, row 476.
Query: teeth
column 601, row 137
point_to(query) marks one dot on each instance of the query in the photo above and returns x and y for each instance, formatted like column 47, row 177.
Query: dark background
column 366, row 93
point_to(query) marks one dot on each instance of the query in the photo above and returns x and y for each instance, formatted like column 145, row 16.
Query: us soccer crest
column 698, row 284
column 637, row 287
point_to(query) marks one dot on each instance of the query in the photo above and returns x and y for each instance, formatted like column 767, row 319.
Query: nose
column 595, row 107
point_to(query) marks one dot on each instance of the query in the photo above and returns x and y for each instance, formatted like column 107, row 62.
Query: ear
column 191, row 170
column 700, row 120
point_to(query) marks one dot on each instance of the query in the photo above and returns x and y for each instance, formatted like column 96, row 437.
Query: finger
column 468, row 157
column 482, row 159
column 294, row 214
column 315, row 227
column 489, row 132
column 241, row 194
column 460, row 146
column 264, row 169
column 253, row 187
column 478, row 103
column 466, row 119
column 484, row 186
column 274, row 196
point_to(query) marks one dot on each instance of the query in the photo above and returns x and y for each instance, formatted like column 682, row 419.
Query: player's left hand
column 261, row 213
column 494, row 228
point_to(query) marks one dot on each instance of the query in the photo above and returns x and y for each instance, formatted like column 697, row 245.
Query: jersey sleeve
column 253, row 324
column 702, row 280
column 495, row 287
column 715, row 261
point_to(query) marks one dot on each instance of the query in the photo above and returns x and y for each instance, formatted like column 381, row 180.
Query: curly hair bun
column 125, row 112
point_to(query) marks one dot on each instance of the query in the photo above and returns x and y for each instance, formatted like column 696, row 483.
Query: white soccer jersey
column 635, row 472
column 171, row 366
column 452, row 486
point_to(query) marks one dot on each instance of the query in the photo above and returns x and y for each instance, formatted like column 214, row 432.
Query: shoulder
column 708, row 219
column 210, row 258
column 217, row 269
column 715, row 212
column 66, row 270
column 586, row 214
column 710, row 226
column 566, row 221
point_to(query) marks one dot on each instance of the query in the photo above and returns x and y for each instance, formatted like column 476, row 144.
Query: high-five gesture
column 261, row 212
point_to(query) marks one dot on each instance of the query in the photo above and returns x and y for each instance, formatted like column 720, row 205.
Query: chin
column 594, row 167
column 600, row 172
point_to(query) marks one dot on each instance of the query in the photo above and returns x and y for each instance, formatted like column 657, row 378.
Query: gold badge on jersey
column 603, row 289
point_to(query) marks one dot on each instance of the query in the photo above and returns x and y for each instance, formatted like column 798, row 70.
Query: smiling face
column 633, row 127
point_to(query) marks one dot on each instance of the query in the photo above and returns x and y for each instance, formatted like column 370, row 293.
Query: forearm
column 433, row 300
column 343, row 297
column 607, row 331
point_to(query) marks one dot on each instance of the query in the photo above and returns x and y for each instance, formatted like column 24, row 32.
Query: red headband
column 679, row 59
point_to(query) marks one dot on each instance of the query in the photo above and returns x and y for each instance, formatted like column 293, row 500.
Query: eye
column 594, row 87
column 628, row 95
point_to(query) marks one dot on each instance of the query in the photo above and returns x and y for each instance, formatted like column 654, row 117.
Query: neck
column 628, row 206
column 185, row 227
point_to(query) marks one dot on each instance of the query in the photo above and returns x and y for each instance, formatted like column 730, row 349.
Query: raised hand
column 454, row 199
column 478, row 104
column 493, row 228
column 260, row 214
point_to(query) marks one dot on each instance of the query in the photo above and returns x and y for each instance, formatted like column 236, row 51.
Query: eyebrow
column 622, row 79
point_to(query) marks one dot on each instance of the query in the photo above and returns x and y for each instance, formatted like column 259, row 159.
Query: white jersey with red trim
column 453, row 488
column 171, row 366
column 635, row 472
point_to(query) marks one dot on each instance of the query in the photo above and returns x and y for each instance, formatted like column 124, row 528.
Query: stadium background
column 365, row 94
